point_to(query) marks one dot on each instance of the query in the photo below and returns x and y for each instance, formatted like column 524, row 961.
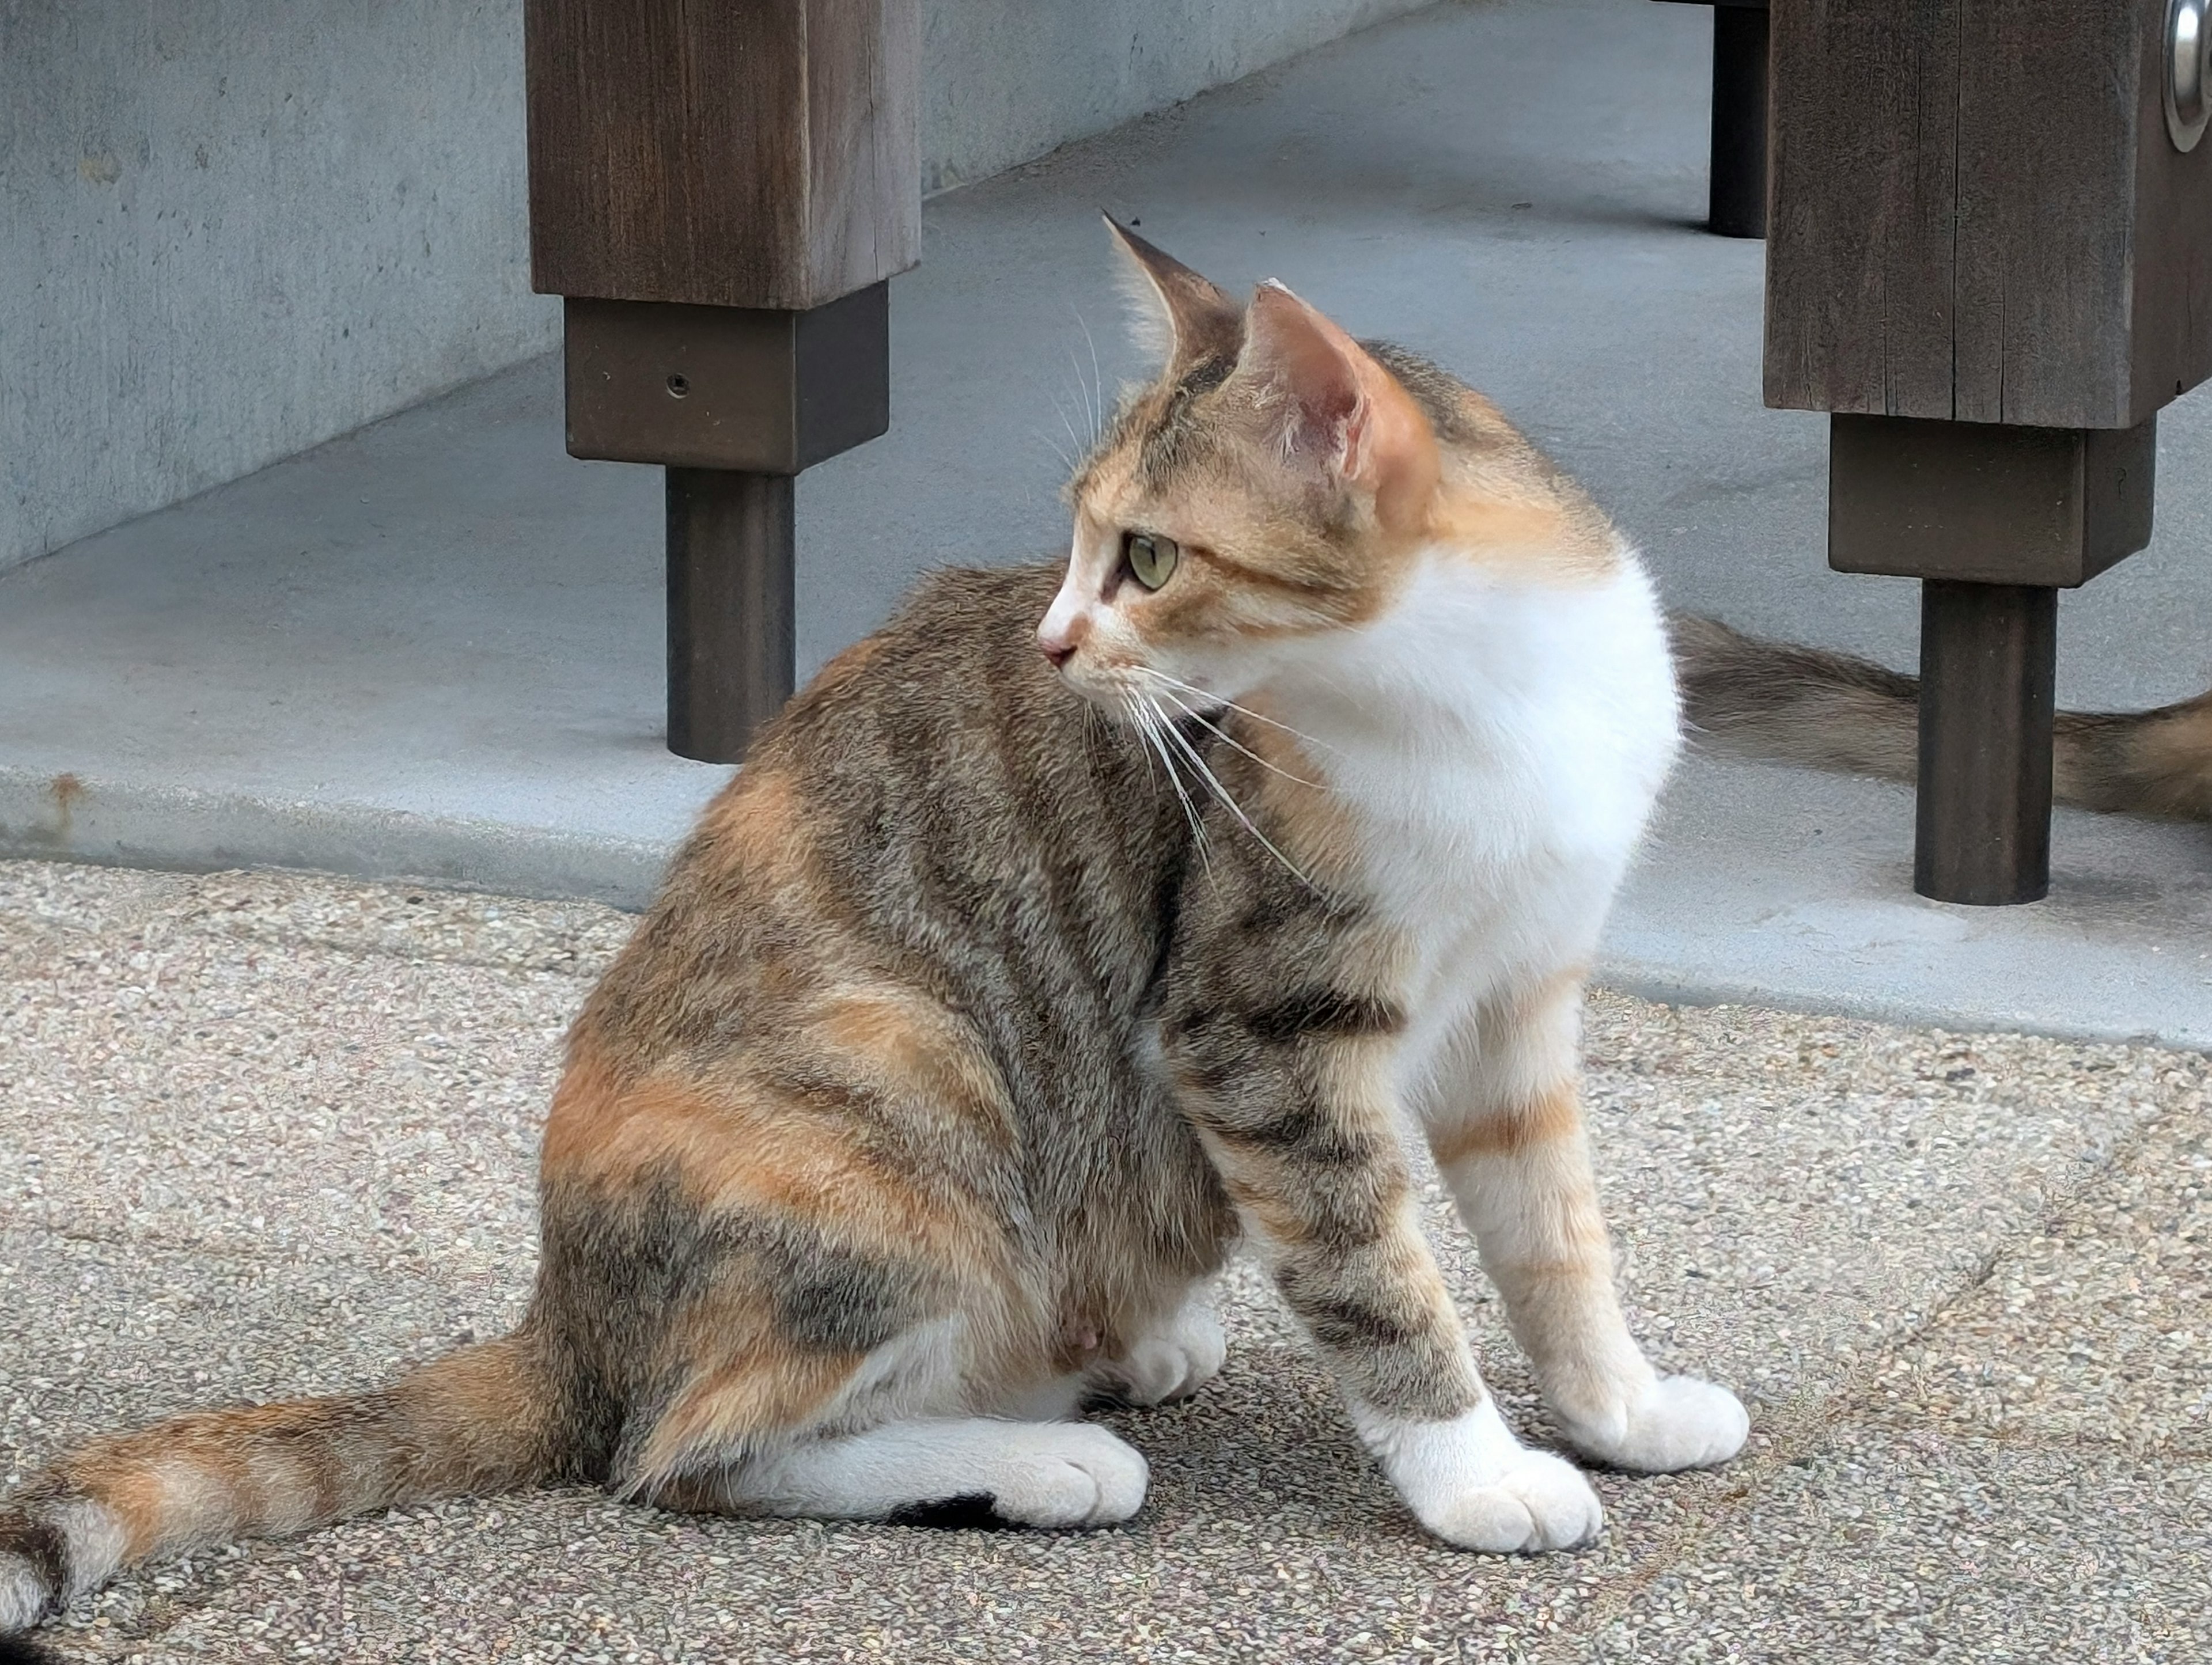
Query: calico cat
column 1081, row 922
column 1803, row 705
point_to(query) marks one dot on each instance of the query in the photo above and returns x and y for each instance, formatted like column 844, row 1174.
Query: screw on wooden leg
column 731, row 636
column 1987, row 674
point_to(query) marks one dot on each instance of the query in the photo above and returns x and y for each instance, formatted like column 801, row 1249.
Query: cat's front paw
column 1678, row 1422
column 1541, row 1502
column 1475, row 1486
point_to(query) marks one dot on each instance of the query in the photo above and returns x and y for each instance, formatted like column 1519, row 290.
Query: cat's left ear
column 1325, row 405
column 1176, row 315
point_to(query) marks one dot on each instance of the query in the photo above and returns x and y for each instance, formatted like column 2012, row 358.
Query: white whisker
column 1149, row 729
column 1146, row 719
column 1152, row 775
column 1228, row 739
column 1090, row 406
column 1074, row 439
column 1058, row 451
column 1190, row 752
column 1231, row 705
column 1097, row 382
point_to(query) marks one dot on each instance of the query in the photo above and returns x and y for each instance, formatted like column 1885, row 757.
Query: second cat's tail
column 1803, row 705
column 476, row 1421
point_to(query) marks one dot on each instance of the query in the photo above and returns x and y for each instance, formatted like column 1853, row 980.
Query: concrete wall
column 236, row 228
column 230, row 229
column 1004, row 81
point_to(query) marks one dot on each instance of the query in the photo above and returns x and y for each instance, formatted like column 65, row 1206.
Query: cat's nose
column 1057, row 640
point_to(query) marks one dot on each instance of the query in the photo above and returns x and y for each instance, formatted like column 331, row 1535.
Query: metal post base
column 1738, row 202
column 731, row 608
column 1989, row 656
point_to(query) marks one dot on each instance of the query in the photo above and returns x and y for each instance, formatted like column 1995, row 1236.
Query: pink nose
column 1059, row 643
column 1062, row 631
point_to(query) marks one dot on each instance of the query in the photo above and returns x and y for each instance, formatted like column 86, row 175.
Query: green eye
column 1151, row 559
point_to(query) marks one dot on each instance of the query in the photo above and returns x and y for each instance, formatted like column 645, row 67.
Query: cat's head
column 1269, row 485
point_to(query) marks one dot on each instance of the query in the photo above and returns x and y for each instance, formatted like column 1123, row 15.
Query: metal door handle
column 2187, row 71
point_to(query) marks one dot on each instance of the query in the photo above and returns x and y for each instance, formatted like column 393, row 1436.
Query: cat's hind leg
column 899, row 1438
column 1505, row 1126
column 1064, row 1474
column 1170, row 1362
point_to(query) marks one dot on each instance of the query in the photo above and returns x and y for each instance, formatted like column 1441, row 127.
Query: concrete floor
column 266, row 1135
column 433, row 649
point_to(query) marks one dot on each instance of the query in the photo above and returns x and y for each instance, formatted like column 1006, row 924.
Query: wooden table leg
column 1737, row 204
column 731, row 636
column 736, row 403
column 722, row 192
column 1987, row 260
column 1995, row 519
column 1989, row 656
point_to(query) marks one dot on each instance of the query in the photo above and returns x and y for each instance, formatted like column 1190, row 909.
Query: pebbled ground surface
column 265, row 1135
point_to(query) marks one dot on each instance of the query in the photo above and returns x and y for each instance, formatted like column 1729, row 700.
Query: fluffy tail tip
column 26, row 1595
column 22, row 1650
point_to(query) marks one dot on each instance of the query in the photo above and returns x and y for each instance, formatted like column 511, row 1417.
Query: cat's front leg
column 1505, row 1127
column 1293, row 1101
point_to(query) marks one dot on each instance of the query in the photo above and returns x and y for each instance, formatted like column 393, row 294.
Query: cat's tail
column 476, row 1421
column 1803, row 705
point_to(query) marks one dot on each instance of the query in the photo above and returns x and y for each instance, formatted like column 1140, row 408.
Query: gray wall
column 234, row 229
column 1004, row 80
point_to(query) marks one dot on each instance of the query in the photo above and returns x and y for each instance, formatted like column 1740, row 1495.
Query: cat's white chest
column 1500, row 747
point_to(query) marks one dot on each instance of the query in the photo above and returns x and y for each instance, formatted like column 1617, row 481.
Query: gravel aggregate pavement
column 267, row 1134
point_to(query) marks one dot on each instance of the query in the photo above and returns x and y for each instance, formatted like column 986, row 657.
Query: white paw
column 1067, row 1474
column 1475, row 1486
column 1172, row 1363
column 1679, row 1422
column 1541, row 1502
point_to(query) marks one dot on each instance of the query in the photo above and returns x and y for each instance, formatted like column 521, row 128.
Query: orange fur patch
column 787, row 1160
column 844, row 666
column 1553, row 1115
column 587, row 1108
column 1277, row 1220
column 1307, row 821
column 760, row 1392
column 753, row 1147
column 1595, row 1263
column 760, row 821
column 905, row 1044
column 134, row 1494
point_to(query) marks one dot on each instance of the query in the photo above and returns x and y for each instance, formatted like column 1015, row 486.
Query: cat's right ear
column 1176, row 315
column 1323, row 405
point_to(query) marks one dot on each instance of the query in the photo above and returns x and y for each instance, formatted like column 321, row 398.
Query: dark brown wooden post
column 1989, row 664
column 1993, row 304
column 1736, row 189
column 721, row 192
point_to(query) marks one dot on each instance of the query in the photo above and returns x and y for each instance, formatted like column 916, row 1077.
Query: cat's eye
column 1149, row 557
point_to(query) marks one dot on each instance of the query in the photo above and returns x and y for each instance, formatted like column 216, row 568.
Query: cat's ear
column 1177, row 316
column 1326, row 406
